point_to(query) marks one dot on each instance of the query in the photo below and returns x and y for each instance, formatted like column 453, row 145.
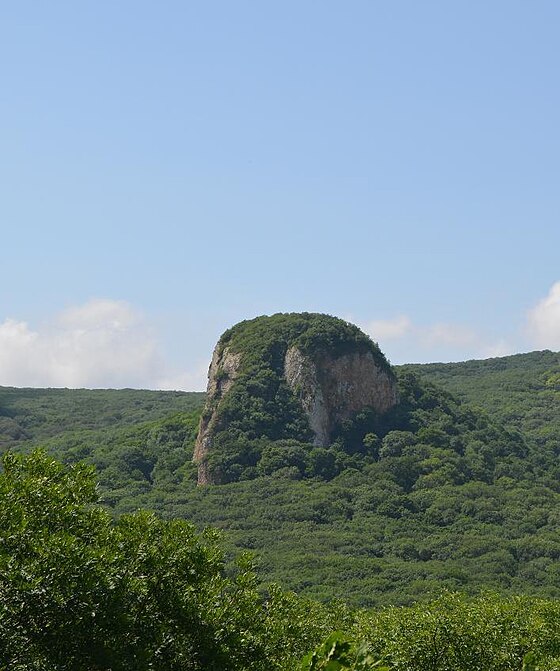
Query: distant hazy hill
column 38, row 414
column 131, row 436
column 460, row 496
column 523, row 390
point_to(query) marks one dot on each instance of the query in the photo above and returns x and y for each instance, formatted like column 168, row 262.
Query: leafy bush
column 454, row 633
column 338, row 653
column 78, row 591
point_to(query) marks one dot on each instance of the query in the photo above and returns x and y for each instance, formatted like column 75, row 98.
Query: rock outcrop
column 294, row 376
column 221, row 376
column 333, row 389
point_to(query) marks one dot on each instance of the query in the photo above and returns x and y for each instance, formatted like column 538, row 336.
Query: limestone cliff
column 221, row 375
column 286, row 377
column 332, row 389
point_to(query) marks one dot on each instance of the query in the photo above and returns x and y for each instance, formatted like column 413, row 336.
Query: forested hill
column 522, row 390
column 39, row 414
column 463, row 496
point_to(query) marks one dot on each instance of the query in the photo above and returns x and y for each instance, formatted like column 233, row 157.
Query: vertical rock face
column 302, row 377
column 286, row 377
column 332, row 389
column 221, row 376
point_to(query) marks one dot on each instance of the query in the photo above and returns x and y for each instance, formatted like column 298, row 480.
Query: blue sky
column 171, row 168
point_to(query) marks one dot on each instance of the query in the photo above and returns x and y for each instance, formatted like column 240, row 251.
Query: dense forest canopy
column 80, row 591
column 264, row 340
column 38, row 414
column 521, row 390
column 462, row 493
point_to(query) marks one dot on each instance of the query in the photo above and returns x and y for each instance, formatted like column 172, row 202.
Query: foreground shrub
column 338, row 653
column 78, row 591
column 81, row 592
column 454, row 633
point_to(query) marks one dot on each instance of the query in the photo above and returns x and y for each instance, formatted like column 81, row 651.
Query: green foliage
column 521, row 391
column 259, row 414
column 135, row 459
column 35, row 415
column 78, row 591
column 429, row 436
column 446, row 496
column 453, row 633
column 338, row 653
column 267, row 338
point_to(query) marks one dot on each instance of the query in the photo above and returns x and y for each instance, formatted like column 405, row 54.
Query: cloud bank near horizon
column 544, row 320
column 107, row 343
column 403, row 341
column 407, row 342
column 101, row 344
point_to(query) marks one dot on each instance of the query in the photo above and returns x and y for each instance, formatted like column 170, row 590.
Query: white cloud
column 499, row 348
column 544, row 320
column 197, row 379
column 389, row 329
column 447, row 334
column 403, row 341
column 102, row 343
column 115, row 315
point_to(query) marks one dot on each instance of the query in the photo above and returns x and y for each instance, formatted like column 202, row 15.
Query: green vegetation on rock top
column 265, row 340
